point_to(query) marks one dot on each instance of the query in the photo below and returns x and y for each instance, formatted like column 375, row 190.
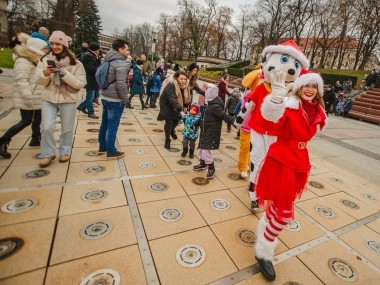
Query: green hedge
column 214, row 69
column 330, row 78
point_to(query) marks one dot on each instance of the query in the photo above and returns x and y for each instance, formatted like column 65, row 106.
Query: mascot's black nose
column 291, row 71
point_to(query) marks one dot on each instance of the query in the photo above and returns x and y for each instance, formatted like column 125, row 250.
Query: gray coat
column 117, row 76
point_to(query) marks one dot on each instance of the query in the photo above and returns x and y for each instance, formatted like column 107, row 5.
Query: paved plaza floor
column 148, row 218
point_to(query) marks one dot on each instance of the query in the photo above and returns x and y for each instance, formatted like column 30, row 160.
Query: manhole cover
column 37, row 156
column 369, row 197
column 220, row 204
column 147, row 165
column 157, row 130
column 230, row 147
column 94, row 169
column 96, row 229
column 94, row 153
column 158, row 187
column 92, row 130
column 293, row 226
column 200, row 181
column 124, row 117
column 170, row 214
column 173, row 149
column 19, row 205
column 373, row 245
column 343, row 270
column 102, row 277
column 134, row 140
column 9, row 246
column 94, row 195
column 152, row 124
column 184, row 162
column 292, row 283
column 147, row 118
column 316, row 184
column 36, row 173
column 92, row 141
column 139, row 151
column 93, row 123
column 336, row 180
column 142, row 113
column 325, row 212
column 349, row 204
column 163, row 139
column 129, row 130
column 246, row 237
column 234, row 176
column 218, row 160
column 191, row 255
column 126, row 124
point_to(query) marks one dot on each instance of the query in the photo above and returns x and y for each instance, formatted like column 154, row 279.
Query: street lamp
column 153, row 43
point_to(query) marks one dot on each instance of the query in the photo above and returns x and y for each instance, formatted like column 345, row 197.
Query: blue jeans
column 112, row 112
column 87, row 104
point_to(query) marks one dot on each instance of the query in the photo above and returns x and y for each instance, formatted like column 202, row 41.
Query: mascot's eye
column 296, row 64
column 284, row 59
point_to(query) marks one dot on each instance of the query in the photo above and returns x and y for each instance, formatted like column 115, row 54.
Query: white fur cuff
column 272, row 111
column 264, row 249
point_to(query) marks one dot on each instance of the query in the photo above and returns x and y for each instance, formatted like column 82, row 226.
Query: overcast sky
column 122, row 13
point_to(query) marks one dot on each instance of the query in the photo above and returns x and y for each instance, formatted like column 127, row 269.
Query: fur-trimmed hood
column 24, row 51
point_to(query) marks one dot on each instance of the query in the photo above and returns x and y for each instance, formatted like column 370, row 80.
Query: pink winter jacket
column 245, row 127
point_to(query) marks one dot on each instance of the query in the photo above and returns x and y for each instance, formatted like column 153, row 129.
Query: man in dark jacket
column 328, row 99
column 90, row 62
column 80, row 52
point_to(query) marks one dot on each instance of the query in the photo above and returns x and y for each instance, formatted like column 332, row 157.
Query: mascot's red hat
column 289, row 48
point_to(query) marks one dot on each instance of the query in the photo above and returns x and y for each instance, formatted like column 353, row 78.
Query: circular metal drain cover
column 124, row 117
column 126, row 124
column 36, row 173
column 173, row 149
column 19, row 205
column 246, row 237
column 293, row 226
column 191, row 255
column 369, row 197
column 129, row 130
column 373, row 245
column 325, row 212
column 152, row 124
column 37, row 156
column 343, row 270
column 92, row 130
column 94, row 169
column 157, row 130
column 93, row 123
column 234, row 176
column 102, row 277
column 230, row 147
column 9, row 246
column 220, row 204
column 96, row 229
column 147, row 118
column 349, row 204
column 139, row 151
column 218, row 160
column 158, row 187
column 94, row 153
column 94, row 195
column 92, row 141
column 316, row 184
column 184, row 162
column 147, row 165
column 170, row 214
column 336, row 180
column 200, row 181
column 134, row 140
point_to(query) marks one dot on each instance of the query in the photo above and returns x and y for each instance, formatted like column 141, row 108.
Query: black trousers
column 153, row 100
column 169, row 127
column 27, row 117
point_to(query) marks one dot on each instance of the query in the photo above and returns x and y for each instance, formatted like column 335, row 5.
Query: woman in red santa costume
column 285, row 169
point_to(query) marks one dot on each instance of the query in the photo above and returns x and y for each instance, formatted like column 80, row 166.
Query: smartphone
column 51, row 63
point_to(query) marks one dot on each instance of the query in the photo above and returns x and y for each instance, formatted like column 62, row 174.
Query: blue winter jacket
column 41, row 37
column 156, row 86
column 188, row 123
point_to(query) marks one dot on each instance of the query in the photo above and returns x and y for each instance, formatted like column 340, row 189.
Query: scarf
column 310, row 109
column 186, row 93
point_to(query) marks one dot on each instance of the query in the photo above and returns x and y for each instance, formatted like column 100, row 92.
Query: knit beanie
column 69, row 39
column 236, row 90
column 94, row 46
column 139, row 62
column 195, row 107
column 36, row 45
column 59, row 37
column 212, row 93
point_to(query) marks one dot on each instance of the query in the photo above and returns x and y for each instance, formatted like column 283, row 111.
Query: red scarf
column 311, row 109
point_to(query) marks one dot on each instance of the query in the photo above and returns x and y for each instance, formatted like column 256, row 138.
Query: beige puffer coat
column 76, row 79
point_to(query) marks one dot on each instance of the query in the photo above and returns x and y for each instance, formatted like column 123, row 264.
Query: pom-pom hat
column 289, row 48
column 308, row 78
column 59, row 37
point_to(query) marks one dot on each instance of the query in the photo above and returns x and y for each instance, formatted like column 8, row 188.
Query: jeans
column 186, row 141
column 49, row 115
column 27, row 117
column 169, row 127
column 112, row 112
column 90, row 96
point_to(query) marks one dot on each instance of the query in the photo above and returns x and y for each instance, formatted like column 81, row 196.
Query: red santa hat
column 289, row 48
column 308, row 77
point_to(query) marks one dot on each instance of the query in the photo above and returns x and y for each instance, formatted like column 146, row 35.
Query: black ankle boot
column 266, row 268
column 35, row 141
column 191, row 154
column 200, row 166
column 167, row 144
column 211, row 171
column 3, row 148
column 184, row 152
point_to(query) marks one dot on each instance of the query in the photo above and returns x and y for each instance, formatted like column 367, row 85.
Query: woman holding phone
column 61, row 76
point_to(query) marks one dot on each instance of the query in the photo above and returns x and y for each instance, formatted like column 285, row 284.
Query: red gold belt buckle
column 301, row 145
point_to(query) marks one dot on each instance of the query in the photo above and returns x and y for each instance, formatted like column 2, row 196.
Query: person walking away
column 190, row 135
column 211, row 128
column 155, row 87
column 138, row 83
column 146, row 71
column 26, row 91
column 114, row 98
column 328, row 99
column 62, row 77
column 347, row 107
column 90, row 63
column 222, row 87
column 231, row 103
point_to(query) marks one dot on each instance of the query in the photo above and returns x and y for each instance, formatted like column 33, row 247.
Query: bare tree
column 163, row 29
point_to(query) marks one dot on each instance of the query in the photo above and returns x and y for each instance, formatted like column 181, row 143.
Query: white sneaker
column 243, row 174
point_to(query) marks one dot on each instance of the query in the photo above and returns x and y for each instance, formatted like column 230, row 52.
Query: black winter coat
column 90, row 64
column 211, row 124
column 329, row 97
column 169, row 105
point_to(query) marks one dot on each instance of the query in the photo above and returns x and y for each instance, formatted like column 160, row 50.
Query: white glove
column 279, row 90
column 28, row 102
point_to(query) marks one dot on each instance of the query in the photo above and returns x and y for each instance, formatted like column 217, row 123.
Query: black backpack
column 149, row 83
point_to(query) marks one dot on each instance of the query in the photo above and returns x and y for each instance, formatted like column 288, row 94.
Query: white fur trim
column 292, row 102
column 264, row 249
column 289, row 51
column 272, row 111
column 307, row 79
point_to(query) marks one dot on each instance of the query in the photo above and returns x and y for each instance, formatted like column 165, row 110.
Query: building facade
column 105, row 42
column 207, row 61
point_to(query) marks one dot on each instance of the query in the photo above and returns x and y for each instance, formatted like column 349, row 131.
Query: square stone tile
column 375, row 225
column 126, row 261
column 150, row 124
column 18, row 142
column 86, row 141
column 47, row 200
column 231, row 178
column 90, row 123
column 317, row 258
column 374, row 186
column 317, row 168
column 291, row 271
column 80, row 171
column 154, row 165
column 82, row 154
column 337, row 180
column 4, row 162
column 320, row 187
column 366, row 195
column 133, row 130
column 159, row 139
column 143, row 193
column 14, row 177
column 211, row 215
column 34, row 254
column 203, row 186
column 131, row 140
column 156, row 130
column 2, row 170
column 28, row 157
column 68, row 234
column 231, row 149
column 180, row 164
column 341, row 219
column 228, row 232
column 87, row 130
column 155, row 227
column 175, row 150
column 223, row 160
column 216, row 265
column 128, row 117
column 35, row 277
column 139, row 152
column 306, row 195
column 72, row 202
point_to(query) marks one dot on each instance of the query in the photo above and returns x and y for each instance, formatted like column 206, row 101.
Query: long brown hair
column 65, row 52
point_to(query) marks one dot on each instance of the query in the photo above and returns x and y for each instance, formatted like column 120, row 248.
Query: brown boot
column 46, row 161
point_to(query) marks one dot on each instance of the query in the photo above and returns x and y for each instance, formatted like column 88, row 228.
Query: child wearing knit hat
column 190, row 135
column 231, row 103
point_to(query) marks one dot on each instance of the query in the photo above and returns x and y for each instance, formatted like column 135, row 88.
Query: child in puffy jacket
column 189, row 133
column 231, row 103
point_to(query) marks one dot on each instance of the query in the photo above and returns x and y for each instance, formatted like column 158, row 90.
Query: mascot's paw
column 238, row 122
column 279, row 87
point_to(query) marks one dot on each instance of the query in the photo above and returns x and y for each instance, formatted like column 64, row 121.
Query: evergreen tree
column 88, row 22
